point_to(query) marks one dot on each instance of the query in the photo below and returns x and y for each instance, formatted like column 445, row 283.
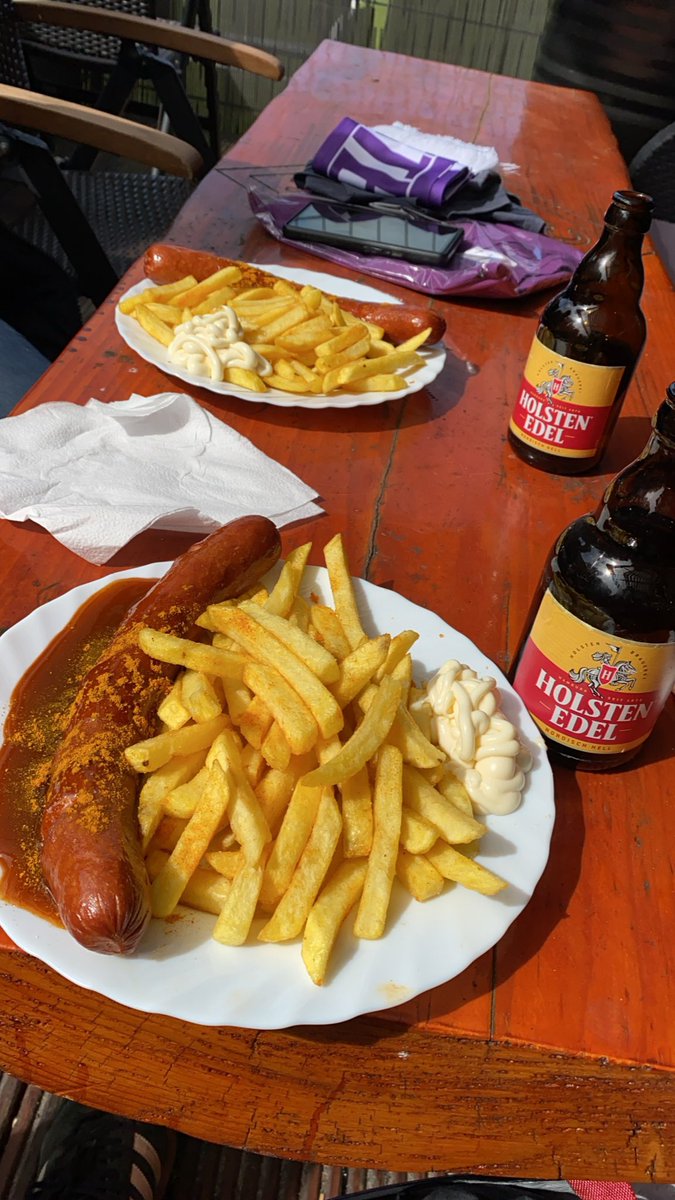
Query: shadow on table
column 628, row 440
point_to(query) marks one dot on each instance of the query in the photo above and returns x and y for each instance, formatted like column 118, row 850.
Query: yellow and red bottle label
column 590, row 690
column 563, row 406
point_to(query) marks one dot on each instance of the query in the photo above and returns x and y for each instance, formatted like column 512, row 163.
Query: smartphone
column 370, row 230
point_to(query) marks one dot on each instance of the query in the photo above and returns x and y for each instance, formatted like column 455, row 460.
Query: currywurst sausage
column 166, row 264
column 91, row 853
column 399, row 321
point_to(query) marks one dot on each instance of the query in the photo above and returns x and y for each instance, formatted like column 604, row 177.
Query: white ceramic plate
column 180, row 971
column 153, row 352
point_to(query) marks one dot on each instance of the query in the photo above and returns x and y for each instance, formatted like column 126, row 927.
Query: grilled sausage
column 399, row 321
column 165, row 264
column 91, row 854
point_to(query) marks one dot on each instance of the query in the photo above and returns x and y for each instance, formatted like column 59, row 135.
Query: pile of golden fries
column 314, row 346
column 291, row 780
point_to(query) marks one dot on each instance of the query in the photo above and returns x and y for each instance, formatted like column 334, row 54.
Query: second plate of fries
column 306, row 347
column 312, row 860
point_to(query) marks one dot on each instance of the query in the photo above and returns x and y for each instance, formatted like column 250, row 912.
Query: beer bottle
column 598, row 663
column 585, row 349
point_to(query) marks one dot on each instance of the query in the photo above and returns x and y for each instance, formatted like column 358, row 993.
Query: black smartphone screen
column 417, row 239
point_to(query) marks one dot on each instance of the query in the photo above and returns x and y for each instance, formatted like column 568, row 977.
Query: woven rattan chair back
column 81, row 47
column 80, row 65
column 13, row 68
column 123, row 209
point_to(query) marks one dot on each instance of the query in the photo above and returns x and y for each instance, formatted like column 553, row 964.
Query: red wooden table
column 553, row 1054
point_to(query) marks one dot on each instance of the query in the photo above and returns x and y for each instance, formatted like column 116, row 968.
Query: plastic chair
column 652, row 170
column 96, row 223
column 619, row 49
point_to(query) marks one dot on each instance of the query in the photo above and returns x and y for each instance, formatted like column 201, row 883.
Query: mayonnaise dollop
column 206, row 345
column 482, row 746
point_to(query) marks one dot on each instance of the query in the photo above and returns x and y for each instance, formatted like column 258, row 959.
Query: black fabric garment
column 482, row 198
column 37, row 298
column 469, row 1187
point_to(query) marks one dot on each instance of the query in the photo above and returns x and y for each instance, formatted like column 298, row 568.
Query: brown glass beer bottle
column 598, row 662
column 585, row 349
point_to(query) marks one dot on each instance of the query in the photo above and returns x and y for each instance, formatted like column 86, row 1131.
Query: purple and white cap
column 357, row 155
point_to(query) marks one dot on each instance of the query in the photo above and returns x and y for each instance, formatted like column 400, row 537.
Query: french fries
column 313, row 346
column 291, row 784
column 327, row 915
column 371, row 918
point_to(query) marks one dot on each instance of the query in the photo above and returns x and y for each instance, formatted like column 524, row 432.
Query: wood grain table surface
column 552, row 1055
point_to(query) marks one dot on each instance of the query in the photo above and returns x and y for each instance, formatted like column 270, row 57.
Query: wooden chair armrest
column 113, row 134
column 165, row 34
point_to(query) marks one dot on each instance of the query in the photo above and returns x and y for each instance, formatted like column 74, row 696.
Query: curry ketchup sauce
column 35, row 723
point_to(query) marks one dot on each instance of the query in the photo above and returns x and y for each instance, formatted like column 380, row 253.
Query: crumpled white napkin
column 95, row 476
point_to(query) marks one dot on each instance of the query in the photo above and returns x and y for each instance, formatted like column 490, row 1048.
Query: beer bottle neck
column 616, row 259
column 638, row 507
column 662, row 438
column 663, row 423
column 614, row 262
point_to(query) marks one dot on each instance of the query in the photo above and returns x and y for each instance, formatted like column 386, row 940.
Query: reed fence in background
column 491, row 35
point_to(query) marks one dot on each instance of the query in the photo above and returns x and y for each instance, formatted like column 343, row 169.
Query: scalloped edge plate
column 153, row 352
column 181, row 972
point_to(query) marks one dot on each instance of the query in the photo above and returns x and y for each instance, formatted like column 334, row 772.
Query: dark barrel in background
column 624, row 51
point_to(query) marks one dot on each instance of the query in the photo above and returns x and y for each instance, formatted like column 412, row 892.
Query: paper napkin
column 95, row 476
